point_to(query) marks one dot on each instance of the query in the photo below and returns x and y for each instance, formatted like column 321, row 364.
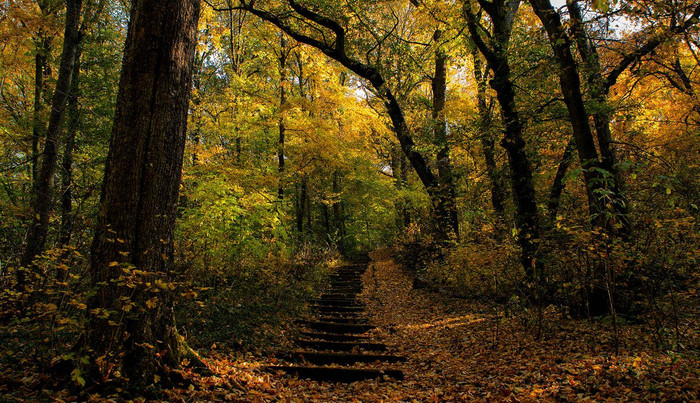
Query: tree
column 494, row 47
column 131, row 323
column 42, row 202
column 338, row 50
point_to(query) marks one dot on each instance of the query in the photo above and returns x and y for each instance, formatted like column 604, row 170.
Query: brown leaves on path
column 460, row 350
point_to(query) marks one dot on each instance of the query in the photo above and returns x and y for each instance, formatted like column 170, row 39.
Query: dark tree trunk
column 486, row 138
column 139, row 196
column 601, row 116
column 301, row 205
column 446, row 207
column 43, row 186
column 280, row 124
column 338, row 218
column 573, row 97
column 43, row 47
column 526, row 214
column 558, row 183
column 73, row 124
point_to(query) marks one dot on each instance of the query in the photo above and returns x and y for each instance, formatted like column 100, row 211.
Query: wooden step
column 336, row 301
column 332, row 327
column 340, row 345
column 346, row 283
column 345, row 358
column 351, row 293
column 333, row 336
column 342, row 319
column 338, row 295
column 333, row 374
column 336, row 309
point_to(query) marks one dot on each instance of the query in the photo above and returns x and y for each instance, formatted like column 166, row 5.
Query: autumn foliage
column 524, row 173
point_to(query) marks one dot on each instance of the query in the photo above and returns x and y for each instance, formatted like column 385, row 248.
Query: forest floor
column 459, row 350
column 456, row 350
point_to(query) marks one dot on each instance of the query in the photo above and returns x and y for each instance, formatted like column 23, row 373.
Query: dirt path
column 457, row 350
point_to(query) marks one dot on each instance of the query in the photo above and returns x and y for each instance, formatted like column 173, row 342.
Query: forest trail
column 461, row 350
column 337, row 335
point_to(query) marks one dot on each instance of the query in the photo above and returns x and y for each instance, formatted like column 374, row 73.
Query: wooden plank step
column 342, row 319
column 346, row 290
column 338, row 295
column 333, row 336
column 340, row 345
column 336, row 309
column 332, row 374
column 345, row 358
column 358, row 314
column 332, row 327
column 336, row 301
column 352, row 286
column 346, row 283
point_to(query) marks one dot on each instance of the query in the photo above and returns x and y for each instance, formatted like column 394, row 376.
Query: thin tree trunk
column 446, row 211
column 280, row 124
column 73, row 125
column 573, row 97
column 524, row 197
column 139, row 197
column 301, row 206
column 558, row 183
column 601, row 116
column 486, row 138
column 43, row 48
column 338, row 219
column 43, row 189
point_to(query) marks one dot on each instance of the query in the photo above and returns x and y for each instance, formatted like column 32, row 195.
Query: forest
column 352, row 200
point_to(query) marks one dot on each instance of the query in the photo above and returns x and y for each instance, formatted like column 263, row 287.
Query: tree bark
column 280, row 123
column 132, row 251
column 524, row 197
column 301, row 204
column 573, row 97
column 43, row 187
column 446, row 208
column 43, row 47
column 338, row 218
column 601, row 117
column 558, row 183
column 73, row 124
column 486, row 138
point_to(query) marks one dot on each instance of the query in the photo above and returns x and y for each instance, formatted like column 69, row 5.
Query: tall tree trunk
column 524, row 197
column 405, row 205
column 486, row 137
column 446, row 209
column 43, row 48
column 139, row 196
column 43, row 187
column 280, row 123
column 601, row 115
column 73, row 124
column 558, row 183
column 301, row 204
column 338, row 219
column 526, row 216
column 573, row 97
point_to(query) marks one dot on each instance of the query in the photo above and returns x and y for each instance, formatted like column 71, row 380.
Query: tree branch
column 648, row 47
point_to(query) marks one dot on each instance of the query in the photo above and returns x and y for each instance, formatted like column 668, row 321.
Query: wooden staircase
column 332, row 344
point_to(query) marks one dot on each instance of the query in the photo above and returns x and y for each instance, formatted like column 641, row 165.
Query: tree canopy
column 179, row 181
